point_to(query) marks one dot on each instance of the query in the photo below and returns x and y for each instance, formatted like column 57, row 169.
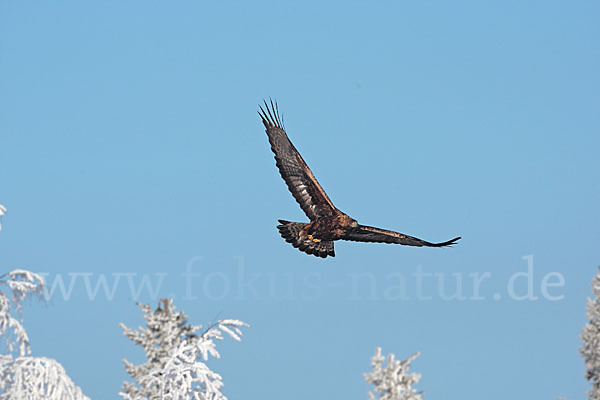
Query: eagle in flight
column 327, row 223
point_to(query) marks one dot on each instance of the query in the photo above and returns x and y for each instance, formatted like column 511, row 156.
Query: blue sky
column 130, row 145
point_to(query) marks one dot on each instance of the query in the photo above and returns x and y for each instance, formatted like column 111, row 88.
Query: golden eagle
column 327, row 223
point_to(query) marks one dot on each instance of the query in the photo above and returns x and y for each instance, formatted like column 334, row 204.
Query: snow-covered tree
column 22, row 376
column 590, row 350
column 175, row 352
column 392, row 381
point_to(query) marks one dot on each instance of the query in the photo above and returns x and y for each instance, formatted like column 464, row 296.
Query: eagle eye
column 354, row 224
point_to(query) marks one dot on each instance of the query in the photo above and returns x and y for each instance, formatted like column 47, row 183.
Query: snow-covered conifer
column 175, row 351
column 392, row 381
column 590, row 350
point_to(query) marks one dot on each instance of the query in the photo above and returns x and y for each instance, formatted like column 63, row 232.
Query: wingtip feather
column 270, row 117
column 448, row 243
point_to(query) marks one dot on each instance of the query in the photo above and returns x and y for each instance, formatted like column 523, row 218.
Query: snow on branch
column 15, row 286
column 392, row 381
column 590, row 335
column 25, row 377
column 2, row 212
column 36, row 378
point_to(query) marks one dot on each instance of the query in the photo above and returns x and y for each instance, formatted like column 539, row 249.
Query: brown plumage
column 327, row 223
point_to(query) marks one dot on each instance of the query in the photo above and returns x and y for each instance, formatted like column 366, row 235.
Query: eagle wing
column 364, row 233
column 299, row 178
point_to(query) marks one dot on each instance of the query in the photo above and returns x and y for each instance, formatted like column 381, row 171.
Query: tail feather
column 291, row 232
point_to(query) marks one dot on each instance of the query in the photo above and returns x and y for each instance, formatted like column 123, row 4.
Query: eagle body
column 327, row 223
column 333, row 227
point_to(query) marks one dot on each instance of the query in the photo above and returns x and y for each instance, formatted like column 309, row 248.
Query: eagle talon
column 314, row 239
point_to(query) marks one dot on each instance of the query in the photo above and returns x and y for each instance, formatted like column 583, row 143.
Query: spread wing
column 364, row 233
column 300, row 180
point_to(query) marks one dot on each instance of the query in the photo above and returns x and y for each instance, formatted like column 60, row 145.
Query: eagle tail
column 292, row 233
